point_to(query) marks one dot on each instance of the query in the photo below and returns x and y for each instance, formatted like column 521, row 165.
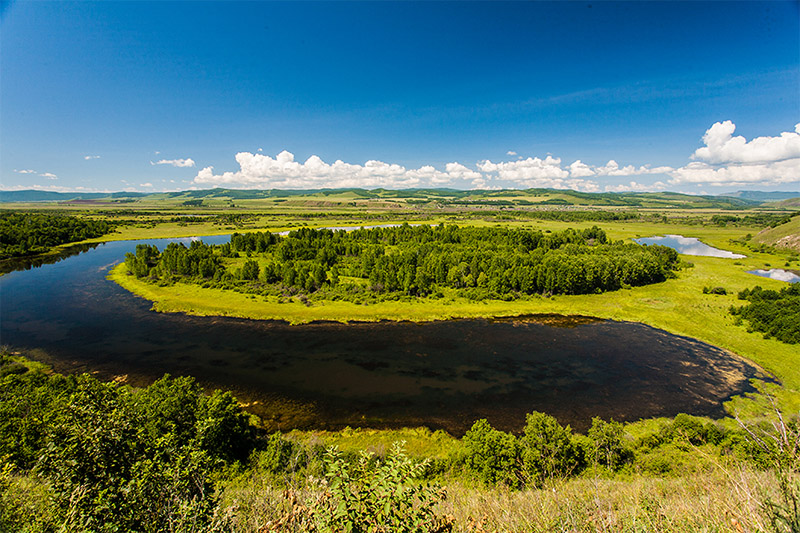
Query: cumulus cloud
column 634, row 186
column 529, row 169
column 49, row 175
column 148, row 184
column 26, row 171
column 282, row 171
column 726, row 160
column 722, row 147
column 579, row 169
column 612, row 168
column 779, row 172
column 175, row 162
column 88, row 157
column 536, row 173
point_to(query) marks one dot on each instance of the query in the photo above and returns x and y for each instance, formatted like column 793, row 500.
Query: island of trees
column 478, row 262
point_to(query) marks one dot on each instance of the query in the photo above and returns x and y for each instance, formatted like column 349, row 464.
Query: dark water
column 439, row 374
column 689, row 246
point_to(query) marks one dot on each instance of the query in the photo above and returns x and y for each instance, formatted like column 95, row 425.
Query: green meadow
column 671, row 482
column 676, row 305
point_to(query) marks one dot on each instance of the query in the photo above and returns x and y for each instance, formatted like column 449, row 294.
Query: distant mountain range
column 765, row 196
column 50, row 196
column 739, row 199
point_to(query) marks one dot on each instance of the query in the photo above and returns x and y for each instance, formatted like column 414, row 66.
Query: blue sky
column 149, row 96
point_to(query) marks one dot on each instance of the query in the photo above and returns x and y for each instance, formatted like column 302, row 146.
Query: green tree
column 548, row 450
column 492, row 455
column 608, row 445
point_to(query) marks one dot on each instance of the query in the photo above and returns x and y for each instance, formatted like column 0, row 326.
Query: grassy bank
column 678, row 306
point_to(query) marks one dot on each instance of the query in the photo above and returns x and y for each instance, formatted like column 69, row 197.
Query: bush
column 715, row 290
column 278, row 455
column 492, row 455
column 380, row 499
column 547, row 449
column 608, row 446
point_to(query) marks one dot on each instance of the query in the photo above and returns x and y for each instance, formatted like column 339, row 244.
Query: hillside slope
column 783, row 236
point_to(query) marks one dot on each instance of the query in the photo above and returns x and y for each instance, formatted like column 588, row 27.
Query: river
column 442, row 374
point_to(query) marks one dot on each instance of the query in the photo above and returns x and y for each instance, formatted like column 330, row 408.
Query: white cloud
column 529, row 169
column 722, row 147
column 536, row 173
column 612, row 168
column 282, row 171
column 148, row 184
column 779, row 172
column 175, row 162
column 457, row 170
column 26, row 171
column 579, row 169
column 726, row 160
column 634, row 186
column 49, row 175
column 54, row 188
column 88, row 157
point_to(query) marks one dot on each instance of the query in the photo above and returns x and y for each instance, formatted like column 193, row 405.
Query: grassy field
column 678, row 305
column 785, row 236
column 713, row 495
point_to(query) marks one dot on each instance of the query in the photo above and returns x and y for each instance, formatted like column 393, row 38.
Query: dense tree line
column 582, row 216
column 773, row 313
column 756, row 219
column 417, row 260
column 27, row 233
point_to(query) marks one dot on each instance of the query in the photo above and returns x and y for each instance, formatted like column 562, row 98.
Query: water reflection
column 26, row 263
column 387, row 374
column 689, row 246
column 778, row 274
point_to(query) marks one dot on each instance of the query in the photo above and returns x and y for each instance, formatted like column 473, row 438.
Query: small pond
column 777, row 273
column 441, row 374
column 689, row 246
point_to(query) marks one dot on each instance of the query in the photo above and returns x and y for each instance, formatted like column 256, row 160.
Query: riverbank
column 678, row 306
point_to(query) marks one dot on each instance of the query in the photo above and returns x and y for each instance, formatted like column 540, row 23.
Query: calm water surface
column 777, row 273
column 440, row 374
column 689, row 246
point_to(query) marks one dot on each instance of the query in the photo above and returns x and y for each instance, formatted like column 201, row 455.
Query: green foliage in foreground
column 26, row 233
column 377, row 497
column 78, row 454
column 111, row 458
column 481, row 262
column 773, row 313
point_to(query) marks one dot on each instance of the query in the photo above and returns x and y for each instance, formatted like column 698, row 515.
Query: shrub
column 547, row 449
column 715, row 290
column 492, row 455
column 385, row 498
column 608, row 447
